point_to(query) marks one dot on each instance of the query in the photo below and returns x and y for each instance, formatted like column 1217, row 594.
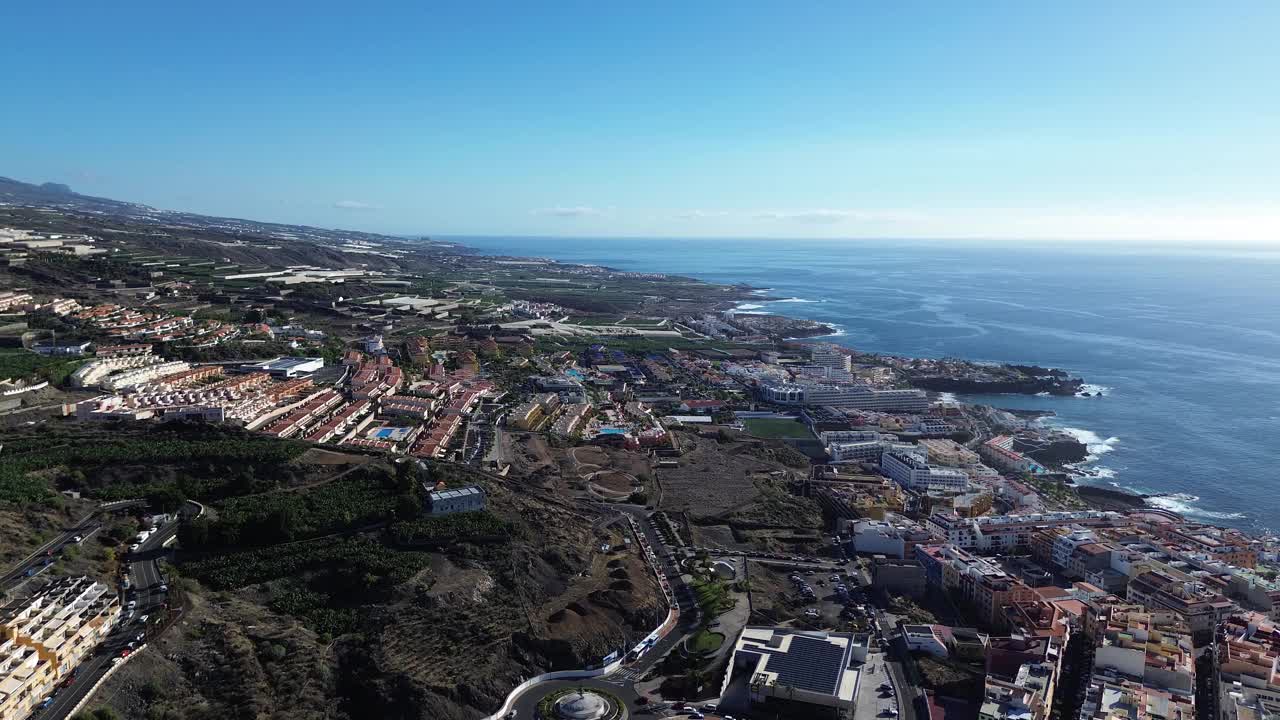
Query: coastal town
column 255, row 470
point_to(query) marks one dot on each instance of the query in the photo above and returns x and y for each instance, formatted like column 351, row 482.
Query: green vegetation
column 17, row 364
column 26, row 456
column 1058, row 494
column 329, row 579
column 450, row 528
column 364, row 498
column 913, row 613
column 949, row 677
column 705, row 641
column 712, row 595
column 776, row 428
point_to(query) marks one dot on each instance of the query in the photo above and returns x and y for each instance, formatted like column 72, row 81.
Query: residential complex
column 44, row 637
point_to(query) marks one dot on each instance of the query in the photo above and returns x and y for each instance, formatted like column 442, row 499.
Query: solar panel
column 811, row 664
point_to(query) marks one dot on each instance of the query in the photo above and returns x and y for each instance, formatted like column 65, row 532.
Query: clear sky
column 1127, row 120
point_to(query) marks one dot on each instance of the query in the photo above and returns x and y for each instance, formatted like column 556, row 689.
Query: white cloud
column 830, row 216
column 701, row 214
column 574, row 211
column 355, row 205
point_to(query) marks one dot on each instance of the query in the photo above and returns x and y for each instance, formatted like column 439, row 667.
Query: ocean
column 1183, row 346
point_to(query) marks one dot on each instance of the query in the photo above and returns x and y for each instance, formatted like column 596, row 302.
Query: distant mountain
column 248, row 242
column 17, row 192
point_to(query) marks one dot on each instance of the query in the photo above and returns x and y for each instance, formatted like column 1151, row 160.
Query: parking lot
column 820, row 598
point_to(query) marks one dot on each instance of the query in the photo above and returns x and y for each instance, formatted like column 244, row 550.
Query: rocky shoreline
column 1110, row 499
column 1031, row 385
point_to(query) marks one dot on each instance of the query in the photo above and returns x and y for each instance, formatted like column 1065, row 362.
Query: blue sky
column 1133, row 120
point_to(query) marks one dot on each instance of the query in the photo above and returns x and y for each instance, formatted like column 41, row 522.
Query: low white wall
column 110, row 671
column 547, row 677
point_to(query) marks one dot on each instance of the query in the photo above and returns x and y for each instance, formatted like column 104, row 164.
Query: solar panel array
column 810, row 664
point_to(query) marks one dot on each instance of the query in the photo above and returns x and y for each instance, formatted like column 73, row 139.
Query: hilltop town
column 257, row 470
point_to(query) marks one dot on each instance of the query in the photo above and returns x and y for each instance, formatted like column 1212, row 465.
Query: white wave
column 761, row 291
column 1104, row 473
column 747, row 306
column 1043, row 394
column 799, row 300
column 1184, row 504
column 1092, row 441
column 1094, row 390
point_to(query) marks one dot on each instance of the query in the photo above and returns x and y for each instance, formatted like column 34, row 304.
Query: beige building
column 44, row 637
column 949, row 452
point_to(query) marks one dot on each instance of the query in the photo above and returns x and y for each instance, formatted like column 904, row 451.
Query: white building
column 912, row 472
column 859, row 397
column 1009, row 531
column 830, row 356
column 878, row 537
column 44, row 637
column 457, row 500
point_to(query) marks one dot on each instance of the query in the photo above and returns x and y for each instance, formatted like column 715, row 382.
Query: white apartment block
column 912, row 472
column 858, row 397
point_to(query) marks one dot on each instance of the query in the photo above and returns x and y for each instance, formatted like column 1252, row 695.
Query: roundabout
column 581, row 703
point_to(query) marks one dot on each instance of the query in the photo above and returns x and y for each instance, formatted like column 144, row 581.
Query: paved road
column 87, row 526
column 144, row 573
column 893, row 658
column 36, row 560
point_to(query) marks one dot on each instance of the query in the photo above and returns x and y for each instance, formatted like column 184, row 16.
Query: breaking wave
column 1184, row 504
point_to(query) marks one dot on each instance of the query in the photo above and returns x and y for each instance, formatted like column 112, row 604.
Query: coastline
column 798, row 279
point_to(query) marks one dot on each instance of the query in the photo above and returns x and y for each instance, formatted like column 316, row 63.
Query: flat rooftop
column 817, row 662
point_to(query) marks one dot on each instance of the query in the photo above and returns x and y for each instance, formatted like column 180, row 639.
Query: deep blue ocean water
column 1186, row 345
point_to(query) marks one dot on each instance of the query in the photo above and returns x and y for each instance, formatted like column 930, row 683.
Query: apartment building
column 407, row 406
column 1000, row 453
column 1151, row 646
column 860, row 397
column 1021, row 678
column 44, row 637
column 570, row 419
column 107, row 351
column 912, row 472
column 980, row 582
column 1198, row 606
column 139, row 376
column 1007, row 532
column 1248, row 647
column 941, row 451
column 881, row 537
column 1111, row 697
column 1221, row 544
column 10, row 301
column 830, row 356
column 1074, row 550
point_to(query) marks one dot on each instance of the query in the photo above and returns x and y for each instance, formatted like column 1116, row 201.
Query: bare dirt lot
column 713, row 478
